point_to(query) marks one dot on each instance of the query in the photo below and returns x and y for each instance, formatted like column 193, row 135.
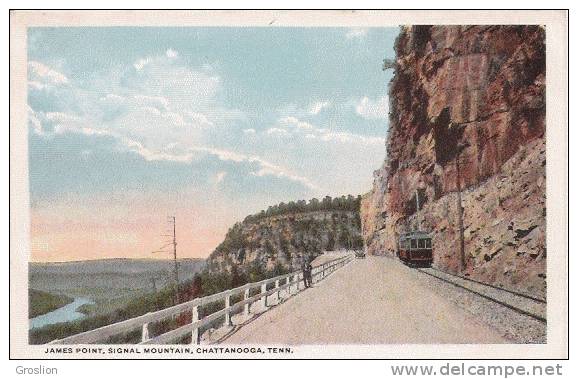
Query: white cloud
column 199, row 119
column 318, row 106
column 185, row 88
column 94, row 132
column 160, row 110
column 291, row 121
column 151, row 110
column 141, row 63
column 112, row 98
column 165, row 94
column 73, row 124
column 170, row 53
column 40, row 73
column 356, row 33
column 268, row 169
column 60, row 116
column 174, row 118
column 264, row 168
column 220, row 177
column 36, row 85
column 63, row 122
column 151, row 155
column 70, row 123
column 35, row 122
column 223, row 155
column 346, row 137
column 277, row 132
column 158, row 102
column 171, row 145
column 312, row 132
column 373, row 109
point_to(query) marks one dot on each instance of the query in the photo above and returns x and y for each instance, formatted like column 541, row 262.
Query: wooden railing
column 292, row 283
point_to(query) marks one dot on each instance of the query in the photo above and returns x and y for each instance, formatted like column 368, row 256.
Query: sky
column 130, row 125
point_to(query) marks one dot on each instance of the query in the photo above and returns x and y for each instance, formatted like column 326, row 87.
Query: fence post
column 246, row 296
column 228, row 307
column 277, row 292
column 195, row 337
column 264, row 290
column 145, row 332
column 298, row 282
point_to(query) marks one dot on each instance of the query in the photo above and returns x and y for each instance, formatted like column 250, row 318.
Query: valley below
column 100, row 286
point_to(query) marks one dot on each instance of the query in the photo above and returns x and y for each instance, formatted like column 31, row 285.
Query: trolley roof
column 415, row 234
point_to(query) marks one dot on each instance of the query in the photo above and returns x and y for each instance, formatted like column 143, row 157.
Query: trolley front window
column 414, row 244
column 428, row 243
column 421, row 244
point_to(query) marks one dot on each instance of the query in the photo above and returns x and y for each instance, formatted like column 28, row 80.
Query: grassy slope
column 41, row 302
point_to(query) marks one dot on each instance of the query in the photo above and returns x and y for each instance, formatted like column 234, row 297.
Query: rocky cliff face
column 467, row 102
column 265, row 242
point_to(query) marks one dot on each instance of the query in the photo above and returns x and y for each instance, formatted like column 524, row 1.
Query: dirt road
column 370, row 301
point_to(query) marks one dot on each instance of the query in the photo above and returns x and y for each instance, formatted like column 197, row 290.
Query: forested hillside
column 287, row 232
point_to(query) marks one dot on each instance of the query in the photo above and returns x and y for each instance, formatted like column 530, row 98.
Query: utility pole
column 176, row 272
column 460, row 211
column 173, row 221
column 417, row 209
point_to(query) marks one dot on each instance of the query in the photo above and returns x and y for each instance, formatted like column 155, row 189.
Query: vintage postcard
column 288, row 184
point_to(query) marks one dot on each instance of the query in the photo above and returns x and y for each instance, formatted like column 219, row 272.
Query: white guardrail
column 292, row 282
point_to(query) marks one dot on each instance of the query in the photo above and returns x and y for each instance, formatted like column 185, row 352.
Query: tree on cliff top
column 344, row 203
column 388, row 64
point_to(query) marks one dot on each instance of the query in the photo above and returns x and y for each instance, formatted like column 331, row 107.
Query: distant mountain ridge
column 108, row 278
column 108, row 265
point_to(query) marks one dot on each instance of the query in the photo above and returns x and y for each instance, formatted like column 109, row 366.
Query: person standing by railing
column 303, row 265
column 306, row 269
column 307, row 274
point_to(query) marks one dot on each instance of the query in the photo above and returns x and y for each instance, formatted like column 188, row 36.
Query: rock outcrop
column 282, row 236
column 467, row 102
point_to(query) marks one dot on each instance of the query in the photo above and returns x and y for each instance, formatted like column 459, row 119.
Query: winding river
column 63, row 314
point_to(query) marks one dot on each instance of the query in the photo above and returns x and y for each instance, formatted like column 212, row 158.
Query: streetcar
column 415, row 248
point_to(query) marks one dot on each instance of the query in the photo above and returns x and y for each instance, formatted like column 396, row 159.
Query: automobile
column 359, row 254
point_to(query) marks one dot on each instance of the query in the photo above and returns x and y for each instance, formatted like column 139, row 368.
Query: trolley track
column 516, row 301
